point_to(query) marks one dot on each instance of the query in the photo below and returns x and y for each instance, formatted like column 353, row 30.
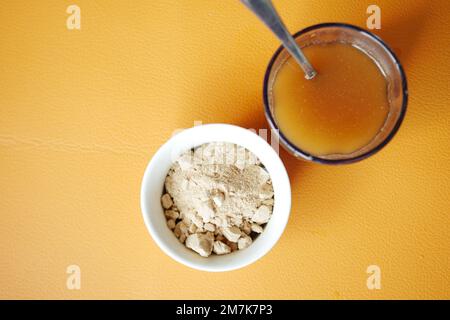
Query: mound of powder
column 218, row 197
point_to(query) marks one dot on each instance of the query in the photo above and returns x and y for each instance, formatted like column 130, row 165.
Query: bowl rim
column 166, row 248
column 306, row 155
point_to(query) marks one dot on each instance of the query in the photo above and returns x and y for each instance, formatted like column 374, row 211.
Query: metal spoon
column 266, row 12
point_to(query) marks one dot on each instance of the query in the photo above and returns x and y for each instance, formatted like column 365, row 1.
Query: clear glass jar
column 371, row 45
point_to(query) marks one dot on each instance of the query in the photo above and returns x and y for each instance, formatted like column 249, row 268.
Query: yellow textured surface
column 82, row 112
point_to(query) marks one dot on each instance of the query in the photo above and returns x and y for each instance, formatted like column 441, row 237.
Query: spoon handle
column 266, row 12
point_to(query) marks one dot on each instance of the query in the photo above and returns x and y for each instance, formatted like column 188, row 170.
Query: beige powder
column 218, row 198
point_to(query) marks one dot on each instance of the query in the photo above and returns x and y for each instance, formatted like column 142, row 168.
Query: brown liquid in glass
column 339, row 111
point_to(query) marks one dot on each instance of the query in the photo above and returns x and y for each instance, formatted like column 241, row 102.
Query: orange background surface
column 83, row 111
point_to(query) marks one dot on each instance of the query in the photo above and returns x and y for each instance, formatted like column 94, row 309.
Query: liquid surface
column 339, row 111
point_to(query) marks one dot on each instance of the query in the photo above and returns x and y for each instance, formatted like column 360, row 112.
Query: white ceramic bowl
column 153, row 184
